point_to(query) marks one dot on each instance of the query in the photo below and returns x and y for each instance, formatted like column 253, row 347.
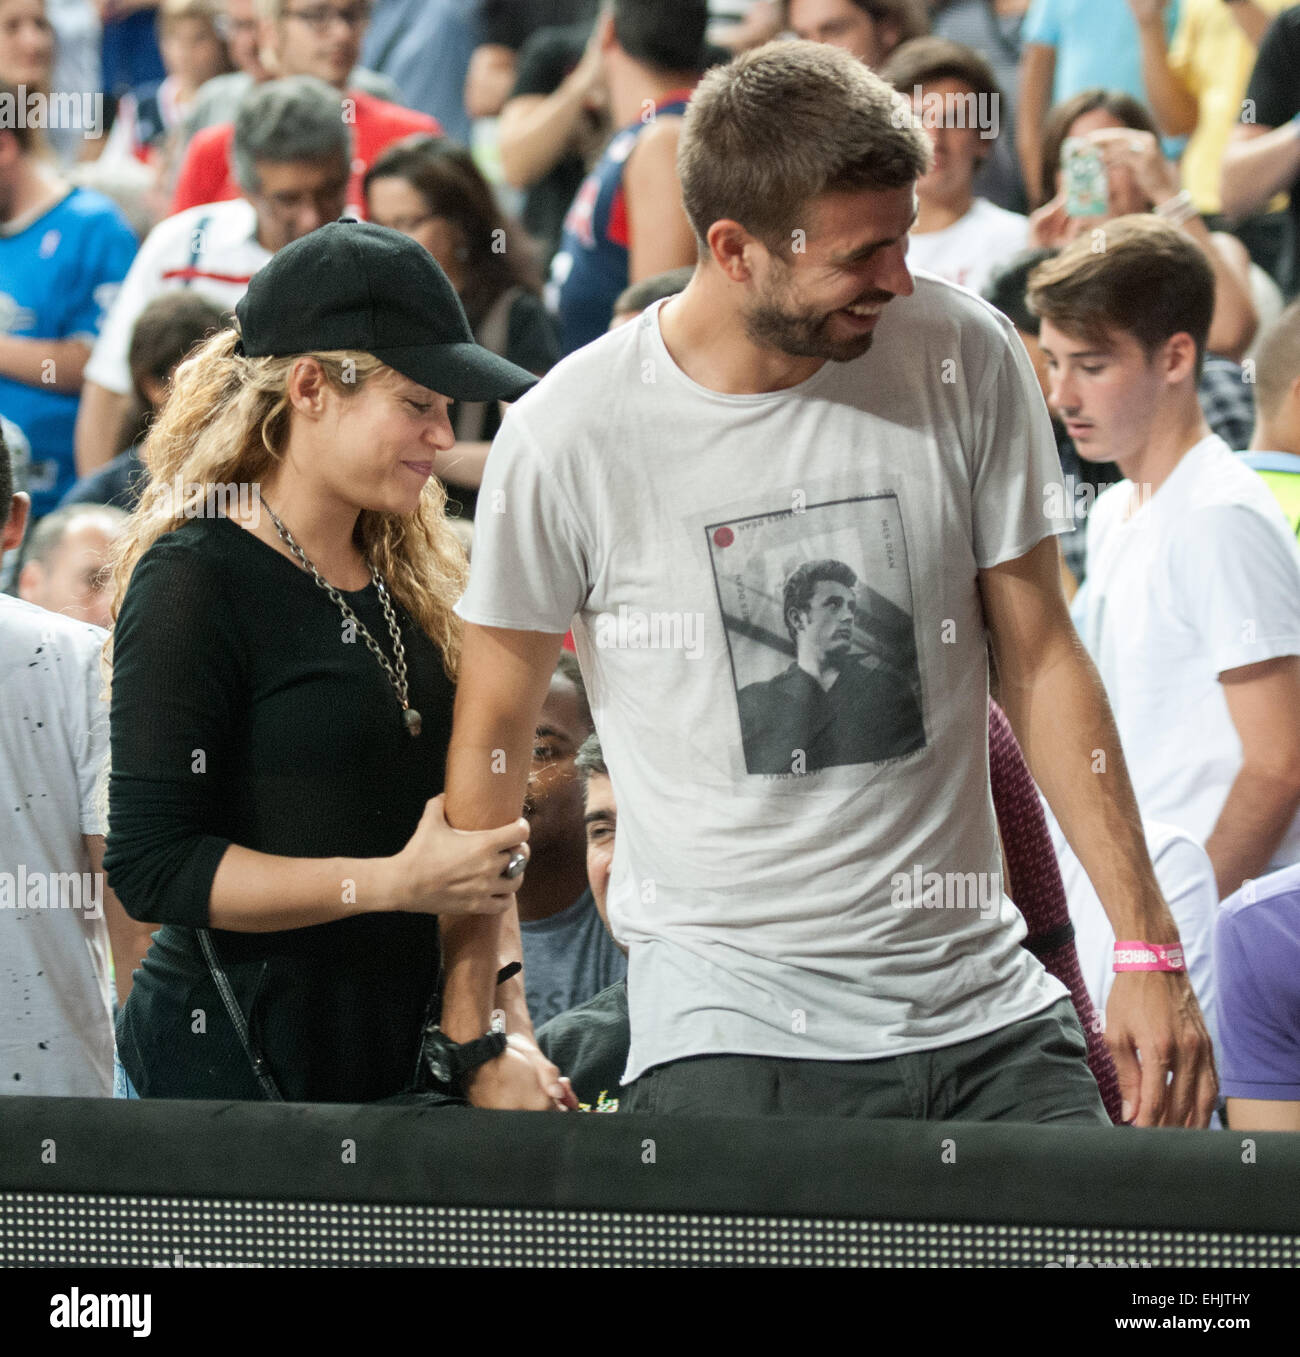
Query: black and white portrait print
column 817, row 605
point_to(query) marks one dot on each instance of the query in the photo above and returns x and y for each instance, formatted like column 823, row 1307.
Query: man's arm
column 129, row 939
column 1257, row 163
column 660, row 236
column 1252, row 19
column 99, row 424
column 1169, row 99
column 535, row 130
column 1264, row 704
column 489, row 80
column 1054, row 700
column 1037, row 70
column 504, row 676
column 53, row 364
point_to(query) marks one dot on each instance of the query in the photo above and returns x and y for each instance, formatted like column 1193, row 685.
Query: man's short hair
column 1277, row 361
column 567, row 667
column 591, row 760
column 1147, row 279
column 650, row 290
column 168, row 328
column 784, row 123
column 923, row 61
column 802, row 582
column 48, row 534
column 667, row 35
column 294, row 119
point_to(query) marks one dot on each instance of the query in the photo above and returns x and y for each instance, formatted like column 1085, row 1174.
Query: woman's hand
column 1126, row 148
column 456, row 871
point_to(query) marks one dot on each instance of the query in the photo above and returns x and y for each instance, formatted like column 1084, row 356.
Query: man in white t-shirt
column 57, row 915
column 830, row 937
column 1193, row 599
column 954, row 95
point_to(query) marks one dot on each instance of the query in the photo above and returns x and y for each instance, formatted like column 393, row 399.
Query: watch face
column 435, row 1057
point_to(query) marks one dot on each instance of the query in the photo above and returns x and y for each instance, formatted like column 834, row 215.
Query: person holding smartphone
column 1101, row 160
column 282, row 675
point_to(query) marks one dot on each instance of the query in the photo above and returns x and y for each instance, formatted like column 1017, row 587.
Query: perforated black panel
column 71, row 1230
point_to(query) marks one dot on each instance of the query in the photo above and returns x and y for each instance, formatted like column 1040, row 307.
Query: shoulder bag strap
column 260, row 1072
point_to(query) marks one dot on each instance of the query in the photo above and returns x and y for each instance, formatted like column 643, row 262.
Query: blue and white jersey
column 59, row 274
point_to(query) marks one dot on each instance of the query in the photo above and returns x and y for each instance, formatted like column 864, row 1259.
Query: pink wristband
column 1149, row 956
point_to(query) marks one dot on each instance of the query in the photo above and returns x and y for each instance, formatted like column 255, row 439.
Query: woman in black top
column 282, row 681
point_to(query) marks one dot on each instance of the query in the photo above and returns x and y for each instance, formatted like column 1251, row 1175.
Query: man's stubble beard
column 769, row 325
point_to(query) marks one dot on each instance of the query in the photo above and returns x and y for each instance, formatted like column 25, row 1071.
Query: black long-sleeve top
column 244, row 712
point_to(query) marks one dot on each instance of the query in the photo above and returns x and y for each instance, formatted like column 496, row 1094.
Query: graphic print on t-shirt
column 816, row 604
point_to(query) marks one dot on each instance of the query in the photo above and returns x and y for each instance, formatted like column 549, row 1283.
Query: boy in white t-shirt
column 954, row 95
column 1193, row 597
column 789, row 504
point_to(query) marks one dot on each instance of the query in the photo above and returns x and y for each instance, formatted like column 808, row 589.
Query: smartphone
column 1083, row 174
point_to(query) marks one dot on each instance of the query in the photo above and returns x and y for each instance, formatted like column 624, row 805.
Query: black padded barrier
column 87, row 1182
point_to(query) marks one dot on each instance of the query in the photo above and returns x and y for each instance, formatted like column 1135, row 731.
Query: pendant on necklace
column 412, row 719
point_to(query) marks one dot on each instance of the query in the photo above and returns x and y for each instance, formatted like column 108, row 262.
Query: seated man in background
column 1257, row 953
column 58, row 919
column 590, row 1042
column 291, row 151
column 1193, row 601
column 957, row 235
column 306, row 44
column 65, row 566
column 568, row 955
column 867, row 29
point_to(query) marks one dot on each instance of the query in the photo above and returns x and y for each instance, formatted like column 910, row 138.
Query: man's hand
column 1156, row 1013
column 520, row 1079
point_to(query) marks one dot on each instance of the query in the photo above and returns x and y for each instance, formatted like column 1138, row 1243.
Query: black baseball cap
column 354, row 285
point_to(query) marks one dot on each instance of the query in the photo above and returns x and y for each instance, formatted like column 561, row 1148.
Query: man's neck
column 707, row 340
column 35, row 189
column 1269, row 437
column 552, row 883
column 1150, row 467
column 632, row 85
column 823, row 674
column 933, row 214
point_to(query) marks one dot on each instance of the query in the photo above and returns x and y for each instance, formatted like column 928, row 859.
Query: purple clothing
column 1257, row 959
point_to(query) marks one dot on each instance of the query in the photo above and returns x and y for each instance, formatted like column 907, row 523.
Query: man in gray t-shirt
column 815, row 936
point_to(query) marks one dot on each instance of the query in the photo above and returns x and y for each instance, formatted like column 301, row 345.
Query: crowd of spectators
column 157, row 154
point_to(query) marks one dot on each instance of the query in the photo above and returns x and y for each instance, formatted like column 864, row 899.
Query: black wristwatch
column 445, row 1063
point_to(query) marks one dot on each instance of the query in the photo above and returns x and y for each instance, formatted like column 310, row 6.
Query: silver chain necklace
column 410, row 717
